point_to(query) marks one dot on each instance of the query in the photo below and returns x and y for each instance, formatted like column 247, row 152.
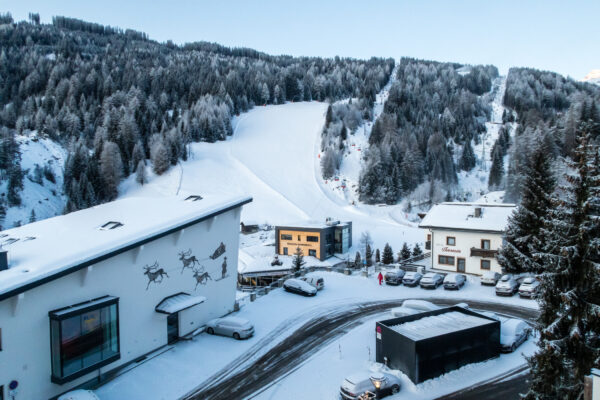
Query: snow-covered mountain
column 592, row 77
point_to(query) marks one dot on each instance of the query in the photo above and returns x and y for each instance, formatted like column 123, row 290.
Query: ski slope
column 273, row 156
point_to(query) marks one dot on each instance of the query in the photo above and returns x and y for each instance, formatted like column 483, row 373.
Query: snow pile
column 437, row 325
column 178, row 303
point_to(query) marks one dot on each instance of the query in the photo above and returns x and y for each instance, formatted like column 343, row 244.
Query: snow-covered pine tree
column 467, row 159
column 569, row 321
column 111, row 169
column 298, row 260
column 377, row 256
column 522, row 235
column 496, row 171
column 388, row 254
column 417, row 250
column 140, row 173
column 369, row 255
column 405, row 252
column 32, row 217
column 357, row 260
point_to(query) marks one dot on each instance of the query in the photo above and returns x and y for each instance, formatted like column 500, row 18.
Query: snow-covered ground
column 273, row 156
column 45, row 199
column 275, row 316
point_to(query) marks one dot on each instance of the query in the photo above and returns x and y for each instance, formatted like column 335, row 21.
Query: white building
column 466, row 237
column 84, row 294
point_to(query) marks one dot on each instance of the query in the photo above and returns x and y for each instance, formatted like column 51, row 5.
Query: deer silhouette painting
column 201, row 277
column 154, row 273
column 188, row 260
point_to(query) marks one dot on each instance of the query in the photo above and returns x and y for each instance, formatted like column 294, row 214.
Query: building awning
column 178, row 302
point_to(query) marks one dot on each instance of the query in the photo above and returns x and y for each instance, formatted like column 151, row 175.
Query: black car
column 411, row 279
column 394, row 277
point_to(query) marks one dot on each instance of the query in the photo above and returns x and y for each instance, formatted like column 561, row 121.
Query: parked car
column 530, row 287
column 431, row 280
column 490, row 278
column 394, row 277
column 411, row 278
column 238, row 328
column 454, row 281
column 410, row 307
column 298, row 286
column 513, row 332
column 507, row 285
column 315, row 281
column 357, row 384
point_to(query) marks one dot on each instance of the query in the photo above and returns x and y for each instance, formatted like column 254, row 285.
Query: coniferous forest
column 116, row 99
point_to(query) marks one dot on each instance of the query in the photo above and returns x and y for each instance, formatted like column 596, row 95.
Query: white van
column 315, row 281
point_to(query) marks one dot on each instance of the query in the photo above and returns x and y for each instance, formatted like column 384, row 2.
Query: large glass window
column 84, row 337
column 286, row 237
column 312, row 238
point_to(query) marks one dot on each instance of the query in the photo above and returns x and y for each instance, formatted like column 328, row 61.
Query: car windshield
column 505, row 278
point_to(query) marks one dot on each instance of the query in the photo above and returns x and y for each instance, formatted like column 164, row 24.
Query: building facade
column 88, row 293
column 466, row 237
column 316, row 240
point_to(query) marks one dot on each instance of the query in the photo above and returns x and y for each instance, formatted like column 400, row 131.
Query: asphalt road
column 252, row 377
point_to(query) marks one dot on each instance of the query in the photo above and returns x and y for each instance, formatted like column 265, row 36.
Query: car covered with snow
column 358, row 384
column 299, row 286
column 431, row 280
column 411, row 306
column 529, row 287
column 315, row 281
column 394, row 277
column 235, row 327
column 411, row 278
column 507, row 285
column 513, row 332
column 454, row 281
column 490, row 278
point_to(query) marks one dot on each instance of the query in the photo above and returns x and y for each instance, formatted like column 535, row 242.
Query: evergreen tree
column 522, row 235
column 328, row 116
column 417, row 250
column 369, row 255
column 405, row 252
column 15, row 185
column 140, row 173
column 388, row 254
column 569, row 321
column 467, row 160
column 32, row 217
column 111, row 169
column 298, row 259
column 377, row 256
column 496, row 172
column 357, row 260
column 159, row 155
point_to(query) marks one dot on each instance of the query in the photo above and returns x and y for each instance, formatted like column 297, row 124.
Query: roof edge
column 101, row 257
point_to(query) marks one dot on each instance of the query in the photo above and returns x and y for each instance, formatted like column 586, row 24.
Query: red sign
column 379, row 329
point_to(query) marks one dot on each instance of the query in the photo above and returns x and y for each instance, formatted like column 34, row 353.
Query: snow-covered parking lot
column 189, row 364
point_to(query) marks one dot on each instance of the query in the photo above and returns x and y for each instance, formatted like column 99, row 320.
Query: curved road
column 318, row 332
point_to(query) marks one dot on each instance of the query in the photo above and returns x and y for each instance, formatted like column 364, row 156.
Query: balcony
column 486, row 253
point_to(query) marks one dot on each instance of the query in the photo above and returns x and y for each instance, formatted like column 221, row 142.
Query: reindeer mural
column 188, row 260
column 153, row 272
column 201, row 276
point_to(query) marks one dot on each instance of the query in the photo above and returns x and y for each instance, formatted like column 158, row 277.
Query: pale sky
column 561, row 36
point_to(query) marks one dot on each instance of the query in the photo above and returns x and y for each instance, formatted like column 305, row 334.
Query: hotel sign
column 450, row 250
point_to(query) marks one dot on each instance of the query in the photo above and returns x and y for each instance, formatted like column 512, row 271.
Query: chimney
column 477, row 212
column 3, row 259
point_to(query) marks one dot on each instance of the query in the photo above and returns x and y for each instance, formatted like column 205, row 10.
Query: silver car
column 298, row 286
column 454, row 281
column 529, row 288
column 358, row 384
column 513, row 332
column 490, row 278
column 431, row 280
column 238, row 328
column 411, row 279
column 507, row 285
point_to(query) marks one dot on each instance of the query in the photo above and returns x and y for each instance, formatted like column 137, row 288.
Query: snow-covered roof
column 51, row 248
column 441, row 324
column 461, row 216
column 178, row 302
column 313, row 224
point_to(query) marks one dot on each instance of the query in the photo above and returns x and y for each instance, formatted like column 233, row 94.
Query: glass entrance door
column 172, row 328
column 460, row 266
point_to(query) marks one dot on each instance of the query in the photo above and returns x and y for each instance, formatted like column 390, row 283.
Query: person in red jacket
column 380, row 278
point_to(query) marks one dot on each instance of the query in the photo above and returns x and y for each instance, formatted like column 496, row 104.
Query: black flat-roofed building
column 429, row 344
